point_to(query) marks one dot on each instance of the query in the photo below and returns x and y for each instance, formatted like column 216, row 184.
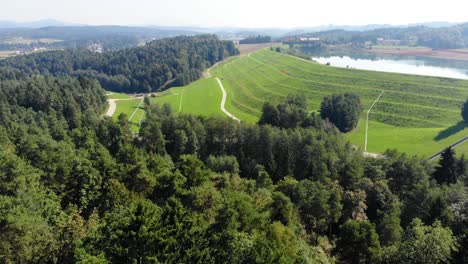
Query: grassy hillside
column 129, row 107
column 416, row 114
column 202, row 97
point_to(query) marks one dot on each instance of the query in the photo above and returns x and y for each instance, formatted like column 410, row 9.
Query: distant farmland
column 416, row 114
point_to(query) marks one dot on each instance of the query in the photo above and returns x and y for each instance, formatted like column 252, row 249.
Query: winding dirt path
column 223, row 101
column 112, row 107
column 367, row 120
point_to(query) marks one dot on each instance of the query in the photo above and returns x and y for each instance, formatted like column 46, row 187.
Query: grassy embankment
column 416, row 114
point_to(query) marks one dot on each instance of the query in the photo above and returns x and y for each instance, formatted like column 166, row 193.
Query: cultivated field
column 7, row 53
column 248, row 48
column 28, row 41
column 416, row 114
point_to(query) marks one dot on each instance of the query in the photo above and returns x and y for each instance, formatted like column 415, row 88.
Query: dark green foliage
column 78, row 188
column 423, row 244
column 176, row 61
column 290, row 114
column 343, row 110
column 464, row 111
column 223, row 164
column 448, row 170
column 358, row 243
column 255, row 40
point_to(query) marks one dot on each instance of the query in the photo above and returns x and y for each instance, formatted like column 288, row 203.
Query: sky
column 236, row 13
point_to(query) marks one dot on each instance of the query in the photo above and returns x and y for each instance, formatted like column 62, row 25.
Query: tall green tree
column 464, row 111
column 358, row 243
column 343, row 110
column 424, row 244
column 448, row 170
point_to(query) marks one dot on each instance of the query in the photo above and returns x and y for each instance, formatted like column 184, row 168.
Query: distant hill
column 110, row 37
column 178, row 61
column 240, row 33
column 36, row 24
column 433, row 35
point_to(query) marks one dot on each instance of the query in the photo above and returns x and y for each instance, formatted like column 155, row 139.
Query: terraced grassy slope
column 416, row 114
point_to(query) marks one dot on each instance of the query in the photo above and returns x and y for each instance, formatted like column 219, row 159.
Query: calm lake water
column 398, row 64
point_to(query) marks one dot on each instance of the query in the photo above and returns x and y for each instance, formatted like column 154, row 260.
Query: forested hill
column 436, row 38
column 171, row 61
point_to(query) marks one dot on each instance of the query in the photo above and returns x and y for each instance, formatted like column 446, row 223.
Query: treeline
column 76, row 188
column 436, row 38
column 256, row 40
column 157, row 65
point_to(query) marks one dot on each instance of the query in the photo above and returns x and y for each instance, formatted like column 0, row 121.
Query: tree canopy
column 464, row 111
column 343, row 110
column 76, row 187
column 157, row 65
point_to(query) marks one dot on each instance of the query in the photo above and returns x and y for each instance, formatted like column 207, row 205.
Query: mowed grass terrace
column 416, row 114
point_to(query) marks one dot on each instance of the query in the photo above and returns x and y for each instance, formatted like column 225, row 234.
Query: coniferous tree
column 448, row 170
column 343, row 110
column 464, row 111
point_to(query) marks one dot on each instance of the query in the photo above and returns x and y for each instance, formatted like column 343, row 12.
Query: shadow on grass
column 451, row 131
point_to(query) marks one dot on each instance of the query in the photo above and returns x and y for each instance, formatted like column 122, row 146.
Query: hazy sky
column 239, row 13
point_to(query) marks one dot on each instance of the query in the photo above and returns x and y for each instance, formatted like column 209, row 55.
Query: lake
column 398, row 64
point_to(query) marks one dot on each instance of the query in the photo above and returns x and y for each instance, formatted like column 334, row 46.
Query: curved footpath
column 112, row 107
column 223, row 101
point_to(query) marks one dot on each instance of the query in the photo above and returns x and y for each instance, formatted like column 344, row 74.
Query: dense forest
column 436, row 38
column 79, row 188
column 256, row 40
column 157, row 65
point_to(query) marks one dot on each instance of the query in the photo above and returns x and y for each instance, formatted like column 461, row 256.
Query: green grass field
column 128, row 107
column 416, row 114
column 202, row 97
column 112, row 95
column 462, row 149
